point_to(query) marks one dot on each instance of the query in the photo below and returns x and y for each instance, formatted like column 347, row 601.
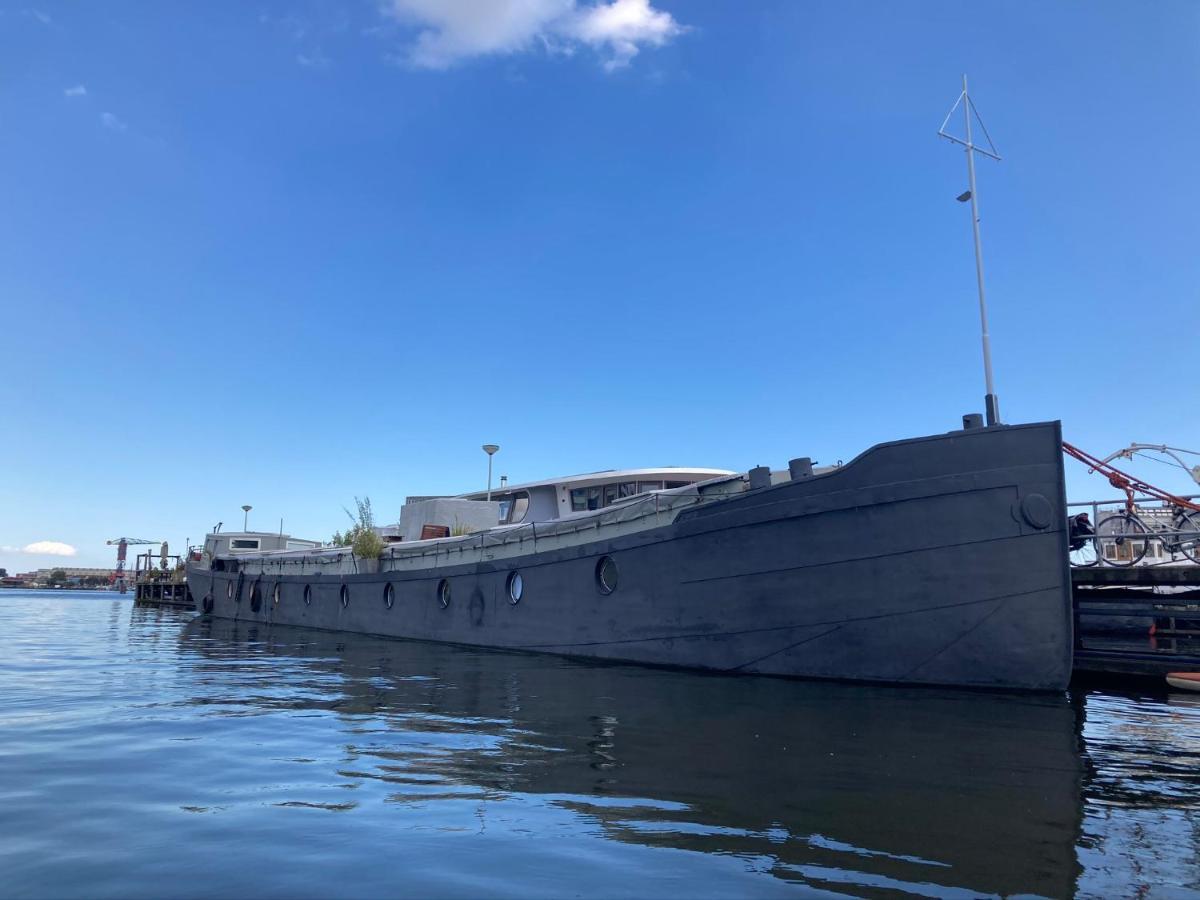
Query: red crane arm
column 1123, row 481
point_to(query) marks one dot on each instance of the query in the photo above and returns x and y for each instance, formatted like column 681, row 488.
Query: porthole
column 345, row 595
column 389, row 595
column 443, row 592
column 277, row 593
column 308, row 595
column 229, row 591
column 606, row 575
column 516, row 586
column 255, row 597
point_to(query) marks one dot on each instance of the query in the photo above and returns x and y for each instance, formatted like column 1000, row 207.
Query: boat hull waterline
column 939, row 560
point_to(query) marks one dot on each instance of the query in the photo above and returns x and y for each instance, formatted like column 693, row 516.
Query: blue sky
column 286, row 254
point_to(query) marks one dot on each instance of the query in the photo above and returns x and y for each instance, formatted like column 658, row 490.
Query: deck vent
column 972, row 421
column 760, row 477
column 801, row 467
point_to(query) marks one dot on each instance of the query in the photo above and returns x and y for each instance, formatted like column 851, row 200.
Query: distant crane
column 118, row 575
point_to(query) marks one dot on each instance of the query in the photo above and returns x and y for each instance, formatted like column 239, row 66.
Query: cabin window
column 505, row 508
column 516, row 587
column 583, row 499
column 606, row 575
column 520, row 507
column 243, row 543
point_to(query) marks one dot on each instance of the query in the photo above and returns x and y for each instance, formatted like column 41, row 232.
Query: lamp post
column 246, row 516
column 490, row 450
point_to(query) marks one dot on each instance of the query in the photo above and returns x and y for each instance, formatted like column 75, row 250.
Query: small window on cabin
column 610, row 494
column 677, row 484
column 579, row 500
column 627, row 489
column 505, row 508
column 593, row 497
column 243, row 543
column 520, row 507
column 644, row 486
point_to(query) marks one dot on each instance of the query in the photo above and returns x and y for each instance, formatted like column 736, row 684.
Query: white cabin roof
column 607, row 476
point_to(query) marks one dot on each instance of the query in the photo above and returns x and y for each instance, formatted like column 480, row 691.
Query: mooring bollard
column 801, row 467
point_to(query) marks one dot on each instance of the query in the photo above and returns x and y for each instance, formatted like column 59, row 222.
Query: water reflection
column 843, row 788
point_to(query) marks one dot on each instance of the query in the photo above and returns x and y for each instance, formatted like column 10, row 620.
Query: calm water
column 141, row 755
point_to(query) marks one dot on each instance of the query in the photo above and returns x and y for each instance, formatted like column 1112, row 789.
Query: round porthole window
column 308, row 595
column 277, row 593
column 516, row 587
column 256, row 597
column 606, row 575
column 345, row 595
column 229, row 590
column 443, row 592
column 389, row 595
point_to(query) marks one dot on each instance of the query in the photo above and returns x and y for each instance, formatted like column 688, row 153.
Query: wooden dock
column 1136, row 622
column 161, row 581
column 163, row 593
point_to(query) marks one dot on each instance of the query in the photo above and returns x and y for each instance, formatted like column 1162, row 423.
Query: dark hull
column 939, row 560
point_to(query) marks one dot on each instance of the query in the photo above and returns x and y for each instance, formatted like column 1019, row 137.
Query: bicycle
column 1124, row 538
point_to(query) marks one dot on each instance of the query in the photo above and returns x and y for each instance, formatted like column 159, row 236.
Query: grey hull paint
column 939, row 560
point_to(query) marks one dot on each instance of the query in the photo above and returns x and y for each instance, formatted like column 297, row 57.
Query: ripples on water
column 141, row 755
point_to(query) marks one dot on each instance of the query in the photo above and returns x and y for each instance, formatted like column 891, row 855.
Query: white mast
column 991, row 402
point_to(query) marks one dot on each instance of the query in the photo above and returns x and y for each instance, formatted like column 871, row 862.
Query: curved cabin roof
column 669, row 473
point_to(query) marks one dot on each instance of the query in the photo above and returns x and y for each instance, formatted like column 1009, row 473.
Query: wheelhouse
column 557, row 498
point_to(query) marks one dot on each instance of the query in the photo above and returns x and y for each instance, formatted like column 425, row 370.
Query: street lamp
column 490, row 450
column 246, row 518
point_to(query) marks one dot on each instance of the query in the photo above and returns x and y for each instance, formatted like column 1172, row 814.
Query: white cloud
column 624, row 24
column 78, row 91
column 47, row 548
column 454, row 30
column 111, row 122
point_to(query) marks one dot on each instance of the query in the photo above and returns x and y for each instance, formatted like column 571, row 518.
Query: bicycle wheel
column 1088, row 554
column 1121, row 540
column 1189, row 536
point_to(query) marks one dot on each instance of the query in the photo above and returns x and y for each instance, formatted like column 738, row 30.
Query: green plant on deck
column 460, row 529
column 360, row 537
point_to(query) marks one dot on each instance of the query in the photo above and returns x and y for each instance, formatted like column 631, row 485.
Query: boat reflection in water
column 842, row 787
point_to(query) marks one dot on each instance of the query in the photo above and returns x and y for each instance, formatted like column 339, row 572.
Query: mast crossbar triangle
column 970, row 114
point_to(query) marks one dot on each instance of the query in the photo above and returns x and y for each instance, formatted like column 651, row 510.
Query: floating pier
column 1136, row 622
column 161, row 580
